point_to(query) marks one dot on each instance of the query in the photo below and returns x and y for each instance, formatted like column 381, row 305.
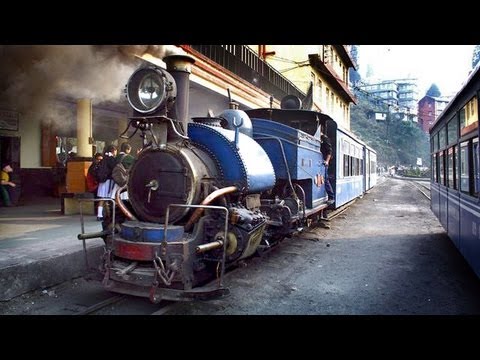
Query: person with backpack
column 124, row 162
column 103, row 175
column 92, row 182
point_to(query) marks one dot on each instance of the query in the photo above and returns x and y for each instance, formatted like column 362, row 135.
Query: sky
column 445, row 65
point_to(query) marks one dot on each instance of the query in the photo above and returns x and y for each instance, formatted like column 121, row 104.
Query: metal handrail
column 82, row 223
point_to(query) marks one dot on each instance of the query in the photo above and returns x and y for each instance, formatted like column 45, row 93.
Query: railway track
column 420, row 186
column 126, row 302
column 102, row 304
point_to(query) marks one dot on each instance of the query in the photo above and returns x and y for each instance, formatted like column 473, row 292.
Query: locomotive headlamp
column 150, row 89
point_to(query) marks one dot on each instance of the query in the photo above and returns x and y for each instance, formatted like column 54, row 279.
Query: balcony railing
column 246, row 64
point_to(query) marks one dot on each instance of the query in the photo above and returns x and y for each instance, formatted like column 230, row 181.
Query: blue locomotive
column 208, row 192
column 455, row 180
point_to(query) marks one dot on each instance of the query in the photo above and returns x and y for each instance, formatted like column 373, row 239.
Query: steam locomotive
column 206, row 193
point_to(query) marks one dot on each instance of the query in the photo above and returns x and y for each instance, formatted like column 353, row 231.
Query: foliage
column 396, row 141
column 434, row 91
column 416, row 172
column 476, row 55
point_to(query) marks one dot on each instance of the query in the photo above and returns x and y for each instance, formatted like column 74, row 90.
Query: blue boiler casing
column 246, row 166
column 302, row 151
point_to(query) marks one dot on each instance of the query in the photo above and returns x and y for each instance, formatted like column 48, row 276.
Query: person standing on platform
column 7, row 187
column 104, row 177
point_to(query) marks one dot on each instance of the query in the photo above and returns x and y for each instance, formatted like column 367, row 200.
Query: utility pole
column 387, row 121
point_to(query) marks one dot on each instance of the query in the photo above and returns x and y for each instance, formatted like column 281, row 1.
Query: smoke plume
column 33, row 75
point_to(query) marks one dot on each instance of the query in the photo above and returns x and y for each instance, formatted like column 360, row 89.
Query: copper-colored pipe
column 122, row 207
column 209, row 246
column 198, row 212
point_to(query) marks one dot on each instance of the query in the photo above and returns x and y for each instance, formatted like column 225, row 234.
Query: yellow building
column 324, row 66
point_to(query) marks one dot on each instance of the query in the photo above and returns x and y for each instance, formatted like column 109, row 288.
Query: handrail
column 82, row 236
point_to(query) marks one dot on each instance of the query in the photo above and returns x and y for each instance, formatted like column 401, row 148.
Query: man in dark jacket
column 327, row 151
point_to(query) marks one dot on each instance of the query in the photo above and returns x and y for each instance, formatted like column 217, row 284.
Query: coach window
column 442, row 137
column 452, row 129
column 456, row 160
column 345, row 150
column 441, row 168
column 476, row 167
column 464, row 168
column 351, row 160
column 435, row 142
column 434, row 168
column 469, row 117
column 462, row 120
column 451, row 168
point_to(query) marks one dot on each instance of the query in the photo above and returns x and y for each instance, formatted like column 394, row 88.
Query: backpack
column 119, row 173
column 92, row 183
column 102, row 171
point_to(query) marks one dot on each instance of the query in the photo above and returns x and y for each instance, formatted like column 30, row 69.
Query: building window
column 320, row 89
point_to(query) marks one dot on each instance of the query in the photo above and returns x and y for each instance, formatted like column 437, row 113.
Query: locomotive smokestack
column 180, row 66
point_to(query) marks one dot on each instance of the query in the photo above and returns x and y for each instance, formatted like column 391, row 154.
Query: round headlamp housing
column 150, row 89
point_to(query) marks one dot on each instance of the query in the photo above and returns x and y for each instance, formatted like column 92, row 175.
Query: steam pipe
column 122, row 207
column 209, row 246
column 180, row 67
column 93, row 235
column 217, row 193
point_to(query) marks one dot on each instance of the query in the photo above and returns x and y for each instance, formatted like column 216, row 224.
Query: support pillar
column 84, row 128
column 77, row 168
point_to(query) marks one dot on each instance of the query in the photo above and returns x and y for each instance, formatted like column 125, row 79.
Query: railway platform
column 39, row 246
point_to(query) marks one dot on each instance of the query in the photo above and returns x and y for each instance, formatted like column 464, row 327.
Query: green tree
column 476, row 55
column 433, row 91
column 397, row 142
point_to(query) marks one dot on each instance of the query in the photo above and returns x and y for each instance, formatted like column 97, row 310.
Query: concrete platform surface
column 39, row 246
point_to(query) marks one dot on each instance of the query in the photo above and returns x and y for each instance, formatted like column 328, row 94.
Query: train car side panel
column 469, row 237
column 455, row 181
column 372, row 168
column 454, row 216
column 349, row 183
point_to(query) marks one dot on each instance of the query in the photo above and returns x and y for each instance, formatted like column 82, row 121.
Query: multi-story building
column 429, row 108
column 385, row 90
column 321, row 70
column 407, row 94
column 399, row 93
